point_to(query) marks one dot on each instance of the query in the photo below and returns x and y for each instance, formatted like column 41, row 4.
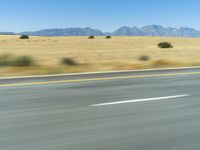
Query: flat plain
column 99, row 54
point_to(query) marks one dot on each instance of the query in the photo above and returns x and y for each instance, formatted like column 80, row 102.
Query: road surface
column 144, row 110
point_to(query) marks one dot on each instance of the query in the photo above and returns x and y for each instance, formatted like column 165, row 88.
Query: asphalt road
column 147, row 110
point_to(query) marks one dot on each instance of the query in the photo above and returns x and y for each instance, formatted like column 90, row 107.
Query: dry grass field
column 99, row 54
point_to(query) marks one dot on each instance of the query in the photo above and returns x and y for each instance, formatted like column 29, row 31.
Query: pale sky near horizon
column 106, row 15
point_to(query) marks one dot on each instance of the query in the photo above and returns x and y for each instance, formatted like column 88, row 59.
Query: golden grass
column 99, row 54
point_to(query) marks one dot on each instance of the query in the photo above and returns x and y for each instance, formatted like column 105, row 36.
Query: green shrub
column 23, row 61
column 165, row 45
column 24, row 37
column 108, row 37
column 9, row 60
column 91, row 37
column 6, row 60
column 144, row 58
column 68, row 62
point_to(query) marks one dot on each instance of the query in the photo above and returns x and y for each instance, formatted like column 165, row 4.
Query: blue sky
column 107, row 15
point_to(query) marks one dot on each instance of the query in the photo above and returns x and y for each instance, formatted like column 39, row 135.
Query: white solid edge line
column 141, row 100
column 101, row 72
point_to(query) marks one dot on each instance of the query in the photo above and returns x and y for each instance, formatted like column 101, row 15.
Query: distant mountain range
column 66, row 32
column 150, row 30
column 156, row 30
column 7, row 33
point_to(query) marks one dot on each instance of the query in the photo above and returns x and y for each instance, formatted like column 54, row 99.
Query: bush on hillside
column 68, row 62
column 24, row 37
column 108, row 37
column 23, row 61
column 9, row 60
column 91, row 37
column 165, row 45
column 144, row 58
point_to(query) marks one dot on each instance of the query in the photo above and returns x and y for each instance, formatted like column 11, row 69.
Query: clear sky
column 107, row 15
